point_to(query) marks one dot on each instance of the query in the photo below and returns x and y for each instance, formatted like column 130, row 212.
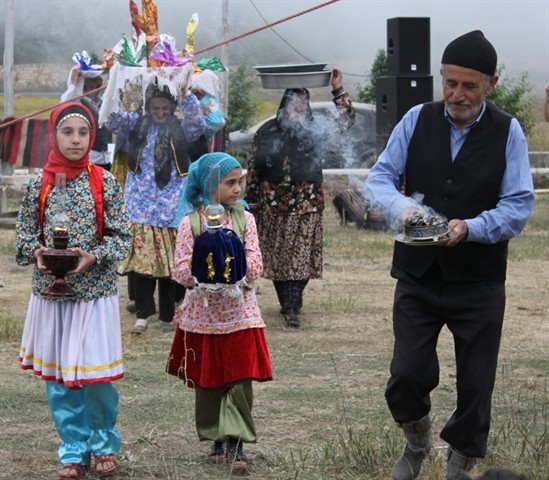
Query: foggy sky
column 346, row 34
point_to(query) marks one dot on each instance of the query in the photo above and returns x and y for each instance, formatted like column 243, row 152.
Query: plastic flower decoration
column 132, row 53
column 85, row 61
column 191, row 29
column 214, row 64
column 165, row 54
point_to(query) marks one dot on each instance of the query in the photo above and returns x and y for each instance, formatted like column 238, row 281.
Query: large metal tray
column 296, row 80
column 423, row 242
column 295, row 68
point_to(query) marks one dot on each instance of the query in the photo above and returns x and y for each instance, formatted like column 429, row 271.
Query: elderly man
column 469, row 162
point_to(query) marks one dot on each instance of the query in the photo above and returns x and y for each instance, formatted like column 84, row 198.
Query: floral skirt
column 74, row 343
column 151, row 252
column 220, row 361
column 291, row 246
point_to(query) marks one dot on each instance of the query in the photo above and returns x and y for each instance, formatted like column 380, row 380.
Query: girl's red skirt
column 220, row 361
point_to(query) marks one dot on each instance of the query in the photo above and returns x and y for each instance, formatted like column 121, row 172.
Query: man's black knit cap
column 472, row 50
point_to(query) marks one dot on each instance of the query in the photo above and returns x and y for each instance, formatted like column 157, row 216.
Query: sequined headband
column 79, row 115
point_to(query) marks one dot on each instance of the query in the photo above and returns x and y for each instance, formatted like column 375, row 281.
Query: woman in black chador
column 284, row 182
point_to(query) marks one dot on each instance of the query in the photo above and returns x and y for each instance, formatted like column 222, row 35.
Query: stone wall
column 47, row 77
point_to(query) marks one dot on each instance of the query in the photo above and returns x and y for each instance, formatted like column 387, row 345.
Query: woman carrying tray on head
column 284, row 180
column 158, row 160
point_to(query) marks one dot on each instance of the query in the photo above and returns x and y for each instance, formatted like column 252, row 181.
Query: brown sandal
column 72, row 471
column 106, row 465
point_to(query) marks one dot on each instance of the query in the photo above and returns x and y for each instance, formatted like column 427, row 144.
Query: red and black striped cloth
column 25, row 144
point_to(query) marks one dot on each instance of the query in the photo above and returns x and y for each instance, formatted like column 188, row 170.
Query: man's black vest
column 460, row 189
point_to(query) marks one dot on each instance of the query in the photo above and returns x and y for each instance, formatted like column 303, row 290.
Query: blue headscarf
column 197, row 188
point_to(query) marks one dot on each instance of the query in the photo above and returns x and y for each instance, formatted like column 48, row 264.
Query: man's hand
column 408, row 214
column 457, row 230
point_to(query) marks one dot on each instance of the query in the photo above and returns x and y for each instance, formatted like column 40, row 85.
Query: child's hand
column 40, row 261
column 86, row 261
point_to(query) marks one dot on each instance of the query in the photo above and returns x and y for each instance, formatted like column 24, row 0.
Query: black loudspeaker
column 408, row 46
column 396, row 95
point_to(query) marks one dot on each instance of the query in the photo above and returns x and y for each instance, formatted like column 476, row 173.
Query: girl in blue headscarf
column 219, row 346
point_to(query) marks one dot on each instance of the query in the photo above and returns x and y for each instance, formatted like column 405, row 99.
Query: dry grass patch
column 324, row 415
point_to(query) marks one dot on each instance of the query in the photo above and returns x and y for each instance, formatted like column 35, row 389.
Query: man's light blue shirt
column 516, row 195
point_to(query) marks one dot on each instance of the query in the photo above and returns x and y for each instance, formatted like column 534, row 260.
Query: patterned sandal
column 72, row 471
column 106, row 465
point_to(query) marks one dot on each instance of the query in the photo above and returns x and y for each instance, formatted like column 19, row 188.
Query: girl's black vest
column 460, row 189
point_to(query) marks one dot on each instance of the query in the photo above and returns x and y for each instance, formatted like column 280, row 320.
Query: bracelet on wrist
column 338, row 92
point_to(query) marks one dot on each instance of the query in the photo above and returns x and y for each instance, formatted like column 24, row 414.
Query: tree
column 509, row 95
column 367, row 94
column 243, row 103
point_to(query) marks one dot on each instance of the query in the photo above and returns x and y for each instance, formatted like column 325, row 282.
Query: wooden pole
column 5, row 167
column 224, row 77
column 8, row 59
